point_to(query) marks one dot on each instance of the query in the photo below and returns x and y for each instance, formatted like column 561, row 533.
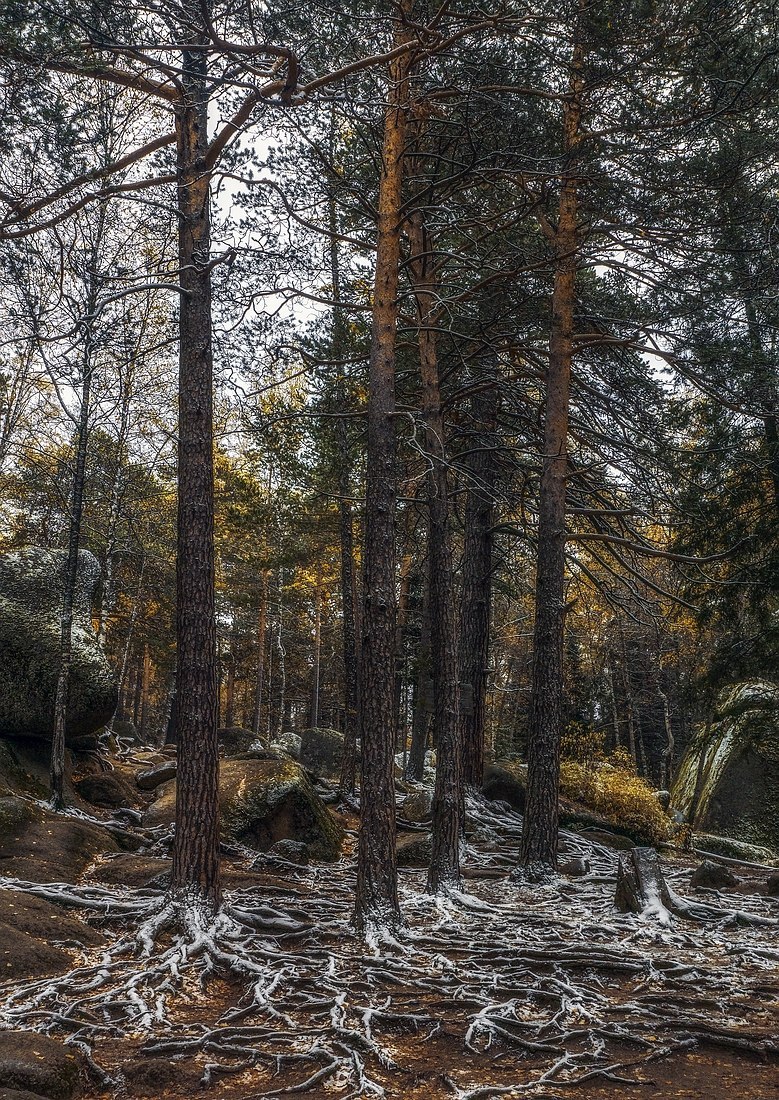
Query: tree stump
column 641, row 886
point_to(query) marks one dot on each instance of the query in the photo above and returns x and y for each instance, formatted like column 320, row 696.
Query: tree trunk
column 282, row 674
column 145, row 683
column 230, row 686
column 377, row 888
column 448, row 793
column 539, row 832
column 420, row 721
column 400, row 638
column 476, row 598
column 262, row 624
column 313, row 713
column 350, row 648
column 70, row 575
column 196, row 843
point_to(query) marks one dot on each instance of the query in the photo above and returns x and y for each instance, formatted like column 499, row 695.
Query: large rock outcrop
column 728, row 781
column 261, row 802
column 31, row 584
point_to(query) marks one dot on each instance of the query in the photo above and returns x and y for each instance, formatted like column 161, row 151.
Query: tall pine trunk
column 539, row 832
column 420, row 721
column 448, row 793
column 377, row 886
column 262, row 629
column 70, row 576
column 476, row 598
column 196, row 844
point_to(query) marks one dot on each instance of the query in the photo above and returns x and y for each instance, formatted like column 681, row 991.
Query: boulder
column 31, row 583
column 24, row 767
column 109, row 789
column 727, row 783
column 32, row 933
column 321, row 752
column 576, row 867
column 289, row 743
column 19, row 1094
column 713, row 876
column 293, row 851
column 126, row 869
column 41, row 846
column 502, row 785
column 416, row 806
column 261, row 802
column 155, row 1077
column 234, row 740
column 415, row 850
column 151, row 778
column 40, row 1065
column 772, row 886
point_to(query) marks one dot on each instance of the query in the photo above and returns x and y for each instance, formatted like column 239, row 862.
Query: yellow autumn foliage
column 612, row 789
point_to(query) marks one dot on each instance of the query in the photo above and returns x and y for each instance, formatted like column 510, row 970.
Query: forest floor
column 544, row 991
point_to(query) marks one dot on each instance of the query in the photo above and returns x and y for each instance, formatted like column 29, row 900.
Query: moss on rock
column 31, row 583
column 263, row 801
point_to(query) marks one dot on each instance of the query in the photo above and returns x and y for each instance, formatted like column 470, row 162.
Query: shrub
column 622, row 797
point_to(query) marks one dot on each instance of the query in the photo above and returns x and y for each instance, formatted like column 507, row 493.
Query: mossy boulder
column 321, row 752
column 41, row 846
column 728, row 780
column 40, row 1065
column 33, row 933
column 31, row 585
column 234, row 740
column 262, row 802
column 505, row 782
column 109, row 789
column 415, row 850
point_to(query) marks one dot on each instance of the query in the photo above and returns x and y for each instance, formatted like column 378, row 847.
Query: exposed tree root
column 551, row 976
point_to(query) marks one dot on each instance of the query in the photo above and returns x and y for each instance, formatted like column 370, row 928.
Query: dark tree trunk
column 313, row 710
column 400, row 641
column 350, row 651
column 350, row 648
column 539, row 832
column 196, row 844
column 476, row 599
column 377, row 887
column 423, row 704
column 146, row 683
column 262, row 629
column 448, row 793
column 70, row 575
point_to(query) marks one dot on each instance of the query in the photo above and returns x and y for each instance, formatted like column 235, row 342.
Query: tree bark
column 349, row 627
column 420, row 722
column 262, row 624
column 313, row 712
column 196, row 843
column 539, row 832
column 448, row 792
column 70, row 575
column 476, row 598
column 376, row 898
